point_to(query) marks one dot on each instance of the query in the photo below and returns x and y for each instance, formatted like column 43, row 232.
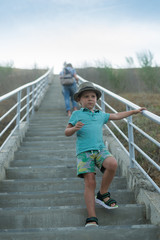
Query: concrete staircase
column 42, row 198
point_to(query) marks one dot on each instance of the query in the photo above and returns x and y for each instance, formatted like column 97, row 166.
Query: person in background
column 69, row 79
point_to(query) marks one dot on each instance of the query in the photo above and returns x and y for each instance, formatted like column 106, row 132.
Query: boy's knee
column 114, row 165
column 90, row 180
column 110, row 164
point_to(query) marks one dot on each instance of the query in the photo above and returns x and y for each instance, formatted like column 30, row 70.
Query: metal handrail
column 27, row 97
column 130, row 139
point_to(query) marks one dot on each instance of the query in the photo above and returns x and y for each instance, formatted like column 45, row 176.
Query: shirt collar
column 87, row 110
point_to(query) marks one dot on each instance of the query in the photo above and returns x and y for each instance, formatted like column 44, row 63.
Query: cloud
column 53, row 45
column 50, row 32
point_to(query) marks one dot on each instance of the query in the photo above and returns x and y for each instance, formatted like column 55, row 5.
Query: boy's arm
column 121, row 115
column 70, row 129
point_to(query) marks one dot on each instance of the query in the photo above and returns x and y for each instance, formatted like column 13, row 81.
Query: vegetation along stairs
column 41, row 197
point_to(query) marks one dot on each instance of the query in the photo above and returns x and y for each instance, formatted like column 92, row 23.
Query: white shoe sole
column 91, row 225
column 104, row 205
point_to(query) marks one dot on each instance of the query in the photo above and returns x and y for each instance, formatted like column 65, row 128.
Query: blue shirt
column 90, row 136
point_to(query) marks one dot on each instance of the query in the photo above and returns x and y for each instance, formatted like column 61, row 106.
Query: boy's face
column 88, row 99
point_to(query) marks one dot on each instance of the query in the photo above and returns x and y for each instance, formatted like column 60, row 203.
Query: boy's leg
column 86, row 169
column 89, row 193
column 110, row 165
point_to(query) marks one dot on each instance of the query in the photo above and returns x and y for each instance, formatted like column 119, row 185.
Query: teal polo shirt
column 90, row 136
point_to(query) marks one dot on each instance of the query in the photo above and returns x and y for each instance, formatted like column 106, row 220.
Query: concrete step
column 56, row 198
column 38, row 172
column 52, row 171
column 56, row 128
column 139, row 232
column 48, row 121
column 55, row 132
column 43, row 162
column 54, row 184
column 48, row 126
column 60, row 163
column 41, row 154
column 68, row 216
column 46, row 133
column 50, row 138
column 51, row 145
column 44, row 117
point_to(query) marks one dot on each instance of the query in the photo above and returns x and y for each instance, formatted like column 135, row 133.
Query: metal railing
column 131, row 127
column 24, row 100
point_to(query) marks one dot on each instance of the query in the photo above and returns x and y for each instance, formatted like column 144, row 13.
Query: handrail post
column 36, row 93
column 46, row 81
column 131, row 139
column 33, row 96
column 18, row 108
column 28, row 98
column 102, row 102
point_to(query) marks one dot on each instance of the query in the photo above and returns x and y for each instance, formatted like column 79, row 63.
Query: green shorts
column 88, row 161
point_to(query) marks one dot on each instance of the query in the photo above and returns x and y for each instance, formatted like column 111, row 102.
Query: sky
column 46, row 33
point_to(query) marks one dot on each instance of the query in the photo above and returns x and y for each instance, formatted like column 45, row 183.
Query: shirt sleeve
column 73, row 118
column 106, row 117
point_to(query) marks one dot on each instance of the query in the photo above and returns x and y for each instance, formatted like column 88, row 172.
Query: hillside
column 145, row 79
column 139, row 85
column 11, row 78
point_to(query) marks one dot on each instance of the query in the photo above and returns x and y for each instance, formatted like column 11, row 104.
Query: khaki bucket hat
column 86, row 86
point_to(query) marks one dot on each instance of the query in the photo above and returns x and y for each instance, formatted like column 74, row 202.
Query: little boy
column 90, row 149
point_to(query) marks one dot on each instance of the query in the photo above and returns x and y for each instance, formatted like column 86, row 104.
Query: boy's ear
column 78, row 100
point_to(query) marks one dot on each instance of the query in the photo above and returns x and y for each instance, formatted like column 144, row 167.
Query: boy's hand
column 79, row 125
column 139, row 110
column 70, row 129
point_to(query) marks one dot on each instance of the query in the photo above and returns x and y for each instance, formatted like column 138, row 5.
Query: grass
column 151, row 102
column 10, row 79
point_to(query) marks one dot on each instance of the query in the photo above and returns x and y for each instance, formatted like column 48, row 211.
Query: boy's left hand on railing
column 139, row 110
